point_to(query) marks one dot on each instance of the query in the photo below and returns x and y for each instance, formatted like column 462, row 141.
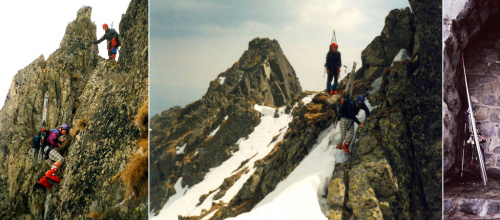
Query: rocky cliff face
column 262, row 75
column 103, row 138
column 396, row 173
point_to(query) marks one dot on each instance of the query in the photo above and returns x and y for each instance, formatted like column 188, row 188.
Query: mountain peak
column 262, row 74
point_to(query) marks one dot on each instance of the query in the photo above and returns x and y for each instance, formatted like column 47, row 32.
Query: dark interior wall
column 463, row 24
column 483, row 75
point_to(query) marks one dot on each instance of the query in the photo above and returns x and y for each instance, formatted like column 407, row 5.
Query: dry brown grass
column 143, row 145
column 141, row 118
column 93, row 215
column 135, row 177
column 80, row 126
column 315, row 117
column 188, row 158
column 315, row 108
column 115, row 177
column 135, row 174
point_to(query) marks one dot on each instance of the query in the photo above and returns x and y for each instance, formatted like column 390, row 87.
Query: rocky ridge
column 262, row 75
column 103, row 137
column 395, row 173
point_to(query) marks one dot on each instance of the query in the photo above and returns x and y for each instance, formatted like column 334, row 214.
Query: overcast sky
column 33, row 28
column 193, row 41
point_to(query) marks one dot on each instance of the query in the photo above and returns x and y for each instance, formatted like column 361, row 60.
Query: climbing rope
column 81, row 81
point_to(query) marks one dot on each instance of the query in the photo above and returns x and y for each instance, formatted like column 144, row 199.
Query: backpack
column 116, row 37
column 40, row 140
column 341, row 107
column 118, row 43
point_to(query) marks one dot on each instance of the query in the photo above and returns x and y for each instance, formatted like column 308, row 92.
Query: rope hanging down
column 81, row 81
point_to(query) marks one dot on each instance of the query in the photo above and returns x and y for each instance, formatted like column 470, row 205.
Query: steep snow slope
column 308, row 181
column 300, row 195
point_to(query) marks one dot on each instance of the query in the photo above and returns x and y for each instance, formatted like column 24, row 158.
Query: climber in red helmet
column 333, row 64
column 111, row 37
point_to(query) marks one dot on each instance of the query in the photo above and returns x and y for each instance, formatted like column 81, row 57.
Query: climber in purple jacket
column 54, row 158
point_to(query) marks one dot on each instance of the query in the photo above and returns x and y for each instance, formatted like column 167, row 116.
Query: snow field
column 257, row 145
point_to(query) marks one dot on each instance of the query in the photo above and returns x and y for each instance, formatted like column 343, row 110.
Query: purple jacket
column 53, row 137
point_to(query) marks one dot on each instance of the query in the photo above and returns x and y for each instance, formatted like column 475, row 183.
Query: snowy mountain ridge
column 233, row 174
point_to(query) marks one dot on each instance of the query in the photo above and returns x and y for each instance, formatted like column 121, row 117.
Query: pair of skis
column 351, row 83
column 351, row 80
column 43, row 130
column 40, row 151
column 472, row 122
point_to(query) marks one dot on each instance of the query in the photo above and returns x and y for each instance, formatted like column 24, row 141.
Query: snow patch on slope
column 308, row 98
column 222, row 79
column 214, row 132
column 300, row 195
column 256, row 146
column 180, row 150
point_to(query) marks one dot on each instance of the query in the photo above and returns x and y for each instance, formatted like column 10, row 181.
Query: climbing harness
column 81, row 81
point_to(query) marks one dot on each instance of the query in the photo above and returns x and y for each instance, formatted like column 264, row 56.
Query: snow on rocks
column 214, row 132
column 180, row 150
column 221, row 80
column 309, row 182
column 255, row 147
column 402, row 55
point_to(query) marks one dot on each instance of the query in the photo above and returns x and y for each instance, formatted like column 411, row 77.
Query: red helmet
column 335, row 45
column 104, row 25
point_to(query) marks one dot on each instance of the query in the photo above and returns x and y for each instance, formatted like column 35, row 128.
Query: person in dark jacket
column 347, row 121
column 112, row 38
column 54, row 158
column 333, row 64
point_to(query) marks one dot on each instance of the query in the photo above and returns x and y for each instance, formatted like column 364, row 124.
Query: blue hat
column 65, row 127
column 360, row 99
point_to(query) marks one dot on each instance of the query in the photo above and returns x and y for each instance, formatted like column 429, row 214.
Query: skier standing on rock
column 333, row 65
column 349, row 112
column 111, row 37
column 53, row 157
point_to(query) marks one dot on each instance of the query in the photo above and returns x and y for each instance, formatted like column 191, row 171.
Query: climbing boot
column 334, row 92
column 346, row 148
column 51, row 174
column 339, row 146
column 44, row 181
